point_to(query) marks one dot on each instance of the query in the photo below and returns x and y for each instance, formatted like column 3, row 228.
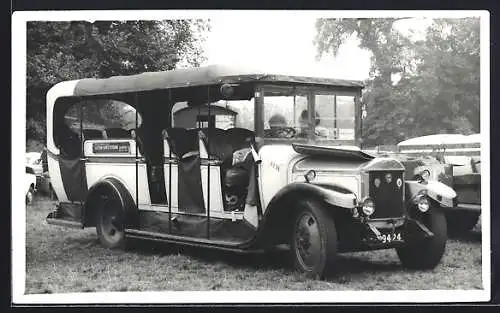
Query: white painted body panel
column 274, row 170
column 56, row 178
column 171, row 180
column 63, row 89
column 349, row 181
column 124, row 172
column 215, row 188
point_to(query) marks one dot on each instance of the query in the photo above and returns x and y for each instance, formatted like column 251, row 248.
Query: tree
column 449, row 75
column 59, row 51
column 390, row 49
column 438, row 90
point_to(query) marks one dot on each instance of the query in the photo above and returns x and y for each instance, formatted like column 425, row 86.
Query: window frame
column 311, row 91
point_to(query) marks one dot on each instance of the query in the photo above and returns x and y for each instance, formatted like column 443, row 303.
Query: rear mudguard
column 111, row 186
column 439, row 192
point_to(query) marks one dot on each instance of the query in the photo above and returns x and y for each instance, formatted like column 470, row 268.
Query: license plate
column 391, row 237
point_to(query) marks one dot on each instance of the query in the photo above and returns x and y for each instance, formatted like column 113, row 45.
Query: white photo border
column 18, row 209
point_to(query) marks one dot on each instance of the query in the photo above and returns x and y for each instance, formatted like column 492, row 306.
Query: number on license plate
column 388, row 238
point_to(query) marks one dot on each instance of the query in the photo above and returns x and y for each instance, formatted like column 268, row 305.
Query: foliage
column 438, row 89
column 59, row 51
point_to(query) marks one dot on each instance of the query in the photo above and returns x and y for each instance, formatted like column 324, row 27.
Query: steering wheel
column 287, row 132
column 318, row 133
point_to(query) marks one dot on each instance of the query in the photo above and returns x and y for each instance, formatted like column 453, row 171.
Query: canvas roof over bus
column 213, row 74
column 207, row 75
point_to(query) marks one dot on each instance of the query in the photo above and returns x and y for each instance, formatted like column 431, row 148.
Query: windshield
column 287, row 114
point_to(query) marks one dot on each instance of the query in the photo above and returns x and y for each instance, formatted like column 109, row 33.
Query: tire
column 426, row 253
column 461, row 222
column 30, row 195
column 110, row 224
column 313, row 227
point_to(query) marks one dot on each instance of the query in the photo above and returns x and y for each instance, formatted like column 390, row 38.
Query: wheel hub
column 308, row 241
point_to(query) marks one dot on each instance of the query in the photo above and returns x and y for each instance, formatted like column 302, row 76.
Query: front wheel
column 426, row 253
column 314, row 240
column 110, row 227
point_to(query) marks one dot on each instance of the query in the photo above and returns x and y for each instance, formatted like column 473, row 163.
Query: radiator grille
column 386, row 190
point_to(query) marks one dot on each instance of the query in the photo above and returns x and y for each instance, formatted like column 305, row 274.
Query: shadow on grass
column 354, row 265
column 469, row 237
column 269, row 260
column 277, row 259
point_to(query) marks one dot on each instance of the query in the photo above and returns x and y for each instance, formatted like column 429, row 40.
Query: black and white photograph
column 227, row 156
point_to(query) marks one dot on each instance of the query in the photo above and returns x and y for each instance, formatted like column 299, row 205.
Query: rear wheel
column 110, row 224
column 426, row 253
column 314, row 240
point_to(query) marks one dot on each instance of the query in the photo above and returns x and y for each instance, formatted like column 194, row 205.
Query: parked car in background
column 461, row 154
column 34, row 160
column 29, row 184
column 452, row 159
column 38, row 162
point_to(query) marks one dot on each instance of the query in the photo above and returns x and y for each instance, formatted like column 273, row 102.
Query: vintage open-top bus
column 290, row 172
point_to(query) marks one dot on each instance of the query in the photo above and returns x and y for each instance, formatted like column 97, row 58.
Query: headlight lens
column 368, row 207
column 423, row 204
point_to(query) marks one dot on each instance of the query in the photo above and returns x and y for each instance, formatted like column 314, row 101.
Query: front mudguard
column 445, row 196
column 278, row 214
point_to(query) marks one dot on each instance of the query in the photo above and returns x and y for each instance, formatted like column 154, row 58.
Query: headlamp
column 310, row 175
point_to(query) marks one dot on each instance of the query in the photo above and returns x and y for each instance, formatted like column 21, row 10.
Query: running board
column 65, row 223
column 189, row 241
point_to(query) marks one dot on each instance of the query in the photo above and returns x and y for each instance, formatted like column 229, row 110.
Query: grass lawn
column 62, row 260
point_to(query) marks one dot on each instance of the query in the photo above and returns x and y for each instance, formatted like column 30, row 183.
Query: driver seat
column 219, row 143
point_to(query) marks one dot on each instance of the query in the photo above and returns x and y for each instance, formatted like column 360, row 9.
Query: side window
column 222, row 114
column 239, row 114
column 285, row 113
column 94, row 119
column 337, row 119
column 103, row 119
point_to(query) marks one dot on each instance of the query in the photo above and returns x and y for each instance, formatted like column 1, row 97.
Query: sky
column 284, row 44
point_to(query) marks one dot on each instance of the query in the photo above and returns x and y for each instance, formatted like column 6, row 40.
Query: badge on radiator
column 399, row 182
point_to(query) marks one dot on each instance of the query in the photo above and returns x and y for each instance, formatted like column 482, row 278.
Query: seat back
column 92, row 134
column 216, row 143
column 167, row 150
column 182, row 141
column 117, row 133
column 240, row 138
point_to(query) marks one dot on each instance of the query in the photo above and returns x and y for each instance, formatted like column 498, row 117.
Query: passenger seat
column 117, row 133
